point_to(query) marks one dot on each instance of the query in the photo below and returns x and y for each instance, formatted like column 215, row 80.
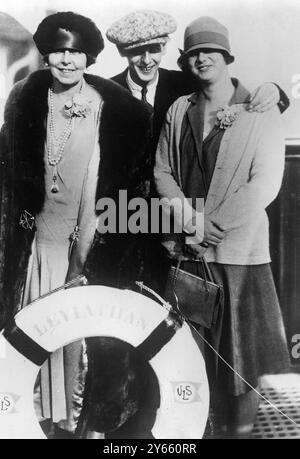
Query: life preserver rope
column 69, row 315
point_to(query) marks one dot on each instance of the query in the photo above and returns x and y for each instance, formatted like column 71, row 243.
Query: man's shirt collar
column 136, row 89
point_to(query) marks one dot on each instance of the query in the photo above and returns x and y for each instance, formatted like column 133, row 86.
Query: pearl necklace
column 59, row 142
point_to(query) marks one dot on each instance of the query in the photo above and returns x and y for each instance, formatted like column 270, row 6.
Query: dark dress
column 252, row 338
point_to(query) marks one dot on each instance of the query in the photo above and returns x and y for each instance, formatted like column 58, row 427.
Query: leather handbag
column 200, row 299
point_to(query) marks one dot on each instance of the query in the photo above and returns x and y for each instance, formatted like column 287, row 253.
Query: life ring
column 68, row 315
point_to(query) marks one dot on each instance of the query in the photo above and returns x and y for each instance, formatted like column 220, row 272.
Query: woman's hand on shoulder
column 263, row 98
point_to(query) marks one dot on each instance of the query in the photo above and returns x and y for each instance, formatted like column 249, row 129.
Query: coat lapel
column 232, row 149
column 195, row 116
column 163, row 99
column 121, row 79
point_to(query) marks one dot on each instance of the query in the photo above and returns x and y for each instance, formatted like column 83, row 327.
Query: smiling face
column 207, row 65
column 144, row 62
column 67, row 66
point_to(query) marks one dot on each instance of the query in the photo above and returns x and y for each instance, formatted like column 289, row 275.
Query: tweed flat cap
column 141, row 27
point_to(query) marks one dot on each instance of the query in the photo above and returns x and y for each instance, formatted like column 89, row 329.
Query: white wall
column 265, row 36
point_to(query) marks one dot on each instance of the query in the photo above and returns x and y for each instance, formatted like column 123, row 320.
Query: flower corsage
column 78, row 106
column 227, row 115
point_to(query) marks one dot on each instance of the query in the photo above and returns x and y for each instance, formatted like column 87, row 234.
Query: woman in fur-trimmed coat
column 124, row 166
column 68, row 139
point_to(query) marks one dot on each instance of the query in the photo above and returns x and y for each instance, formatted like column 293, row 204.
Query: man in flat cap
column 142, row 37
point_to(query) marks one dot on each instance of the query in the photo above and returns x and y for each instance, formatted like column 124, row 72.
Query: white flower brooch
column 227, row 115
column 78, row 106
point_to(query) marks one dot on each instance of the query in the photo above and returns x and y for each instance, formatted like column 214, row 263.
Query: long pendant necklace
column 58, row 142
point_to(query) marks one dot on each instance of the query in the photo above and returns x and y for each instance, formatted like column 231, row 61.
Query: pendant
column 54, row 187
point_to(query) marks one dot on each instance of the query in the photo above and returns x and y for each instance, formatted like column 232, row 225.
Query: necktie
column 144, row 97
column 144, row 94
column 150, row 109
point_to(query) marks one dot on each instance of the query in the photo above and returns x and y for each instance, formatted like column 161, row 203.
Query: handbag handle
column 210, row 276
column 207, row 274
column 178, row 265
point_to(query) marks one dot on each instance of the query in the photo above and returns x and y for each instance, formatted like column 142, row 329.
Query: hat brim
column 88, row 34
column 215, row 46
